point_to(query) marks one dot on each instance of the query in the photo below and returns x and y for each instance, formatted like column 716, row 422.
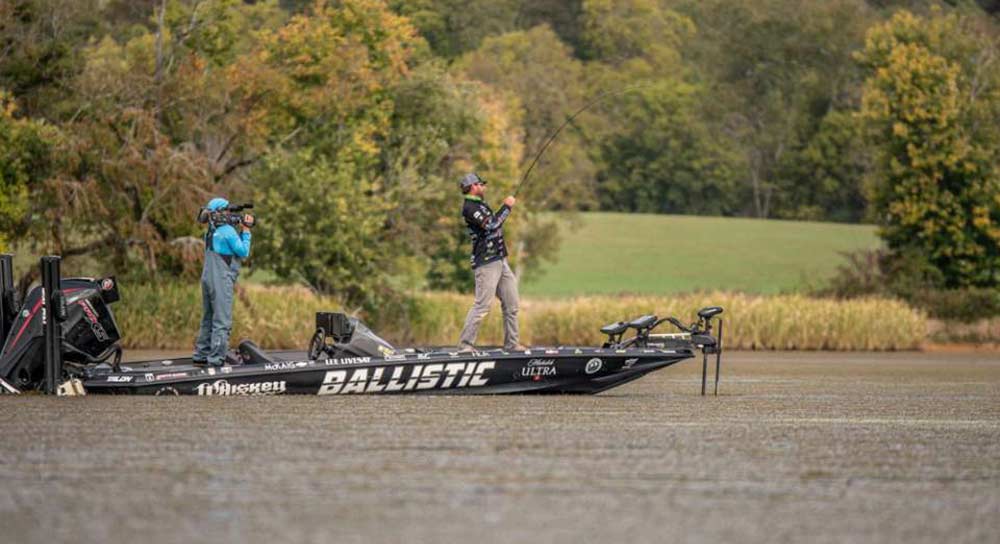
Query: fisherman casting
column 494, row 278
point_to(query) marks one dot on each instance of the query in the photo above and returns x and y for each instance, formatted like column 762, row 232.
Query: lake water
column 815, row 447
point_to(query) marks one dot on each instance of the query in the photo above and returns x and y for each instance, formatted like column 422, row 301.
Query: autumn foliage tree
column 930, row 109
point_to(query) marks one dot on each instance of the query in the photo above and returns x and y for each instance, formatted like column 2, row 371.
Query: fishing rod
column 569, row 120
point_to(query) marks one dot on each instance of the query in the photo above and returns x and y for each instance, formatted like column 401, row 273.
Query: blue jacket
column 225, row 241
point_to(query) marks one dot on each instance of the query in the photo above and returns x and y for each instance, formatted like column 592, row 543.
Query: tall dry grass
column 778, row 322
column 167, row 317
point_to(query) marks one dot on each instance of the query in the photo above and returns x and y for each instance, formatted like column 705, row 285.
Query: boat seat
column 643, row 322
column 615, row 328
column 709, row 312
column 252, row 354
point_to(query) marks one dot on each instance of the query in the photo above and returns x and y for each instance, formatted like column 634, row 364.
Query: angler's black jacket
column 485, row 228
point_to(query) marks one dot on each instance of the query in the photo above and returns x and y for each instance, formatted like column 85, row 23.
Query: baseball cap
column 471, row 179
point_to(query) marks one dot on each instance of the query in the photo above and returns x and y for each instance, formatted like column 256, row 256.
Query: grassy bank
column 167, row 317
column 610, row 253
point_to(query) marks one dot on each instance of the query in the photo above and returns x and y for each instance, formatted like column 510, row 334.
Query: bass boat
column 70, row 343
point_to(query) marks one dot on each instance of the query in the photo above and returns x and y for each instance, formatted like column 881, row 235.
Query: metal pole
column 53, row 329
column 6, row 289
column 718, row 358
column 704, row 370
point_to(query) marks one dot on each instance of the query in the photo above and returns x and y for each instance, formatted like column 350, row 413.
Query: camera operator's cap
column 217, row 203
column 471, row 179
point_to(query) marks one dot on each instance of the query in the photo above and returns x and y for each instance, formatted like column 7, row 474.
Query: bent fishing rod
column 551, row 138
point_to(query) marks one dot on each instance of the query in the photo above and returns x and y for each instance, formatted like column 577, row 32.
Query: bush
column 965, row 305
column 909, row 276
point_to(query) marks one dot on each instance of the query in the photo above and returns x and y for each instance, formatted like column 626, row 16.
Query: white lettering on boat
column 406, row 378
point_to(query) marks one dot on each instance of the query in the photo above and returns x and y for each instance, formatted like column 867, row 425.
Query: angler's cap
column 471, row 179
column 217, row 203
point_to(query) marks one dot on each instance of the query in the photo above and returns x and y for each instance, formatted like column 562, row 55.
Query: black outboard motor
column 90, row 333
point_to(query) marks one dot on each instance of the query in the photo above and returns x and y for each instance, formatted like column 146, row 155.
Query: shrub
column 965, row 305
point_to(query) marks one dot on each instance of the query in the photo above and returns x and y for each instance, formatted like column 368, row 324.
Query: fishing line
column 569, row 120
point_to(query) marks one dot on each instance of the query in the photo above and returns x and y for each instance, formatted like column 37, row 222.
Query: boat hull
column 562, row 370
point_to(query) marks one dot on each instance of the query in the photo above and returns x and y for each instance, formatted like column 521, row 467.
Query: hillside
column 662, row 254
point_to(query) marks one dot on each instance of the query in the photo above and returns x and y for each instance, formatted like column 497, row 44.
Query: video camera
column 231, row 215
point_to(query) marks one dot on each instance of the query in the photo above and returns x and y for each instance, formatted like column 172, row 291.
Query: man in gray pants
column 224, row 249
column 494, row 278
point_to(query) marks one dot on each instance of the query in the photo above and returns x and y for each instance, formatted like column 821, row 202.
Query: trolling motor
column 697, row 333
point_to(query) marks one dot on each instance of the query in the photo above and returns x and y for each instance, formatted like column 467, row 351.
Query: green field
column 611, row 253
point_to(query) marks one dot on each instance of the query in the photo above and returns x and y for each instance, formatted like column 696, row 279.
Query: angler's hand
column 510, row 201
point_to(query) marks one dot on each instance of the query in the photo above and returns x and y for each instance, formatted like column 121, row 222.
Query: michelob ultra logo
column 406, row 378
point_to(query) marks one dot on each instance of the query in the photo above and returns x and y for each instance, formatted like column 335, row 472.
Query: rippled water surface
column 799, row 447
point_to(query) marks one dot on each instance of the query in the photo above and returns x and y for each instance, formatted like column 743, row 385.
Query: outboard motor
column 90, row 333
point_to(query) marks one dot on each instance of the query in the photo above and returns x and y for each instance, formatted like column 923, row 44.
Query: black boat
column 79, row 352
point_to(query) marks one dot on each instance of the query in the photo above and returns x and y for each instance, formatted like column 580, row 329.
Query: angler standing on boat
column 224, row 249
column 494, row 278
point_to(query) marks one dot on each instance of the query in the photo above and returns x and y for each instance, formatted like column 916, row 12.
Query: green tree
column 154, row 132
column 26, row 161
column 663, row 159
column 342, row 90
column 548, row 84
column 931, row 112
column 775, row 69
column 453, row 27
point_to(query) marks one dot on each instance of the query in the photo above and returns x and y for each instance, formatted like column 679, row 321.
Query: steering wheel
column 317, row 346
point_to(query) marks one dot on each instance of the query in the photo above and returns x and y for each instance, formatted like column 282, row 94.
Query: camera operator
column 224, row 250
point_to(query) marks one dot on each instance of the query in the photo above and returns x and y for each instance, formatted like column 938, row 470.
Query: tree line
column 349, row 122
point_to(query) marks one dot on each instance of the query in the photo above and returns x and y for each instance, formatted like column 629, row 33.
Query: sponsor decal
column 149, row 377
column 539, row 368
column 552, row 352
column 95, row 325
column 629, row 362
column 226, row 369
column 167, row 391
column 211, row 372
column 25, row 313
column 168, row 362
column 401, row 357
column 88, row 310
column 423, row 356
column 285, row 365
column 124, row 368
column 171, row 375
column 224, row 388
column 577, row 351
column 593, row 366
column 406, row 378
column 621, row 351
column 347, row 361
column 107, row 284
column 120, row 379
